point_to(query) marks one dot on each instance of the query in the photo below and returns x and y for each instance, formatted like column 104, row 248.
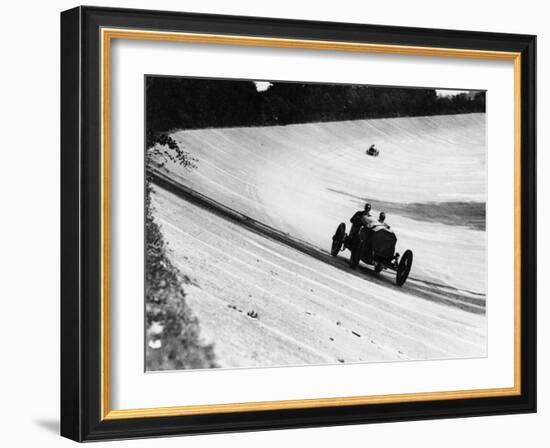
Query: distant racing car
column 375, row 247
column 372, row 151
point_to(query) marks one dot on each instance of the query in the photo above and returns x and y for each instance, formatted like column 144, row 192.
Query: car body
column 375, row 246
column 372, row 151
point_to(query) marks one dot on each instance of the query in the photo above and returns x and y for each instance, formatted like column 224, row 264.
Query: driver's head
column 382, row 217
column 367, row 207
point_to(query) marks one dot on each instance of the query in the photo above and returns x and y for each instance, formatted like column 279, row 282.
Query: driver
column 359, row 219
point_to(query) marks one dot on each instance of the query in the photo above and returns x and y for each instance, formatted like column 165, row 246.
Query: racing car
column 372, row 151
column 375, row 247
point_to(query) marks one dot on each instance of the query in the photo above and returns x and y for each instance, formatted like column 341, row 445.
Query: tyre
column 338, row 239
column 357, row 247
column 404, row 268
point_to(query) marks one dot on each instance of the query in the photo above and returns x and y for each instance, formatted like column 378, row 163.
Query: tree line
column 191, row 103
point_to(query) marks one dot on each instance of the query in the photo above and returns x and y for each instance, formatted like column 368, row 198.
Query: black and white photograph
column 292, row 223
column 275, row 224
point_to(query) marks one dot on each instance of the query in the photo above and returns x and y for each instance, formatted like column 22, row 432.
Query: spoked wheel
column 338, row 239
column 356, row 249
column 404, row 268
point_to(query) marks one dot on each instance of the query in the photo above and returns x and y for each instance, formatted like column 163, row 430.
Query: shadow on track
column 466, row 300
column 431, row 291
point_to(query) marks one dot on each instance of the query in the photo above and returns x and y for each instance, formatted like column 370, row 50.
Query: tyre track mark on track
column 223, row 328
column 360, row 316
column 437, row 350
column 328, row 324
column 359, row 290
column 446, row 340
column 279, row 334
column 163, row 180
column 305, row 334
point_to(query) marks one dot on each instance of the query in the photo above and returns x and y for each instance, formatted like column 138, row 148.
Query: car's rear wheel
column 404, row 268
column 338, row 239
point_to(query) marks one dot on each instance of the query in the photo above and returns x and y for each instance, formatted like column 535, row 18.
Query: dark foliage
column 161, row 148
column 188, row 103
column 172, row 330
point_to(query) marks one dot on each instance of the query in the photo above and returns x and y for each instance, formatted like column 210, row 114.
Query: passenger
column 372, row 225
column 381, row 221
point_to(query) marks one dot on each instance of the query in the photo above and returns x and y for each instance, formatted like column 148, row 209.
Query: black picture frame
column 81, row 224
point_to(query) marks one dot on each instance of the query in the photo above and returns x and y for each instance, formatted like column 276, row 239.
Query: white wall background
column 29, row 236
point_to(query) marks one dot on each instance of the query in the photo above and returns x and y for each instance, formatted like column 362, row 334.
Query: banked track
column 309, row 308
column 251, row 227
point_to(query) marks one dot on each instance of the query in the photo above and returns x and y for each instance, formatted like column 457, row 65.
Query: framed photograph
column 275, row 224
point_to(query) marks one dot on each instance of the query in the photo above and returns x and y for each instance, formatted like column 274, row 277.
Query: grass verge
column 172, row 333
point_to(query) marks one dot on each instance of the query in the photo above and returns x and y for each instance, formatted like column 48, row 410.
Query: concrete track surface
column 263, row 303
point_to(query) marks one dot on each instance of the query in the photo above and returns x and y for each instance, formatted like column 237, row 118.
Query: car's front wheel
column 404, row 267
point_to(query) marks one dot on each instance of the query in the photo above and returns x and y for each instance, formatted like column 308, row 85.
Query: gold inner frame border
column 107, row 35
